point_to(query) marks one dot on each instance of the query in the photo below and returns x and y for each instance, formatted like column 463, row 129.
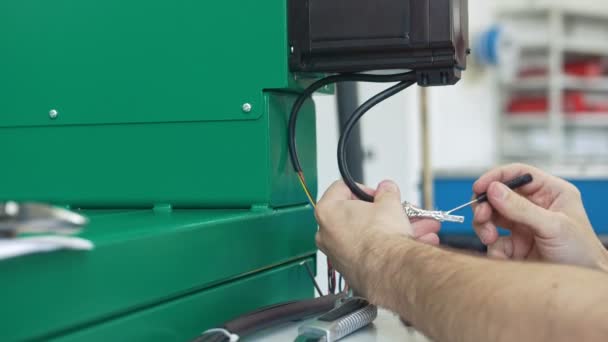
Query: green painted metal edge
column 142, row 259
column 185, row 318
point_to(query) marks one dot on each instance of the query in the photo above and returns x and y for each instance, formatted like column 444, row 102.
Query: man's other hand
column 546, row 219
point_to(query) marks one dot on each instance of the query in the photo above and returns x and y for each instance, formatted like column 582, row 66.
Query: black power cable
column 408, row 78
column 293, row 119
column 354, row 119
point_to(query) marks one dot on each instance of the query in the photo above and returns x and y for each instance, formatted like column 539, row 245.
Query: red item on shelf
column 581, row 68
column 574, row 102
column 585, row 68
column 533, row 72
column 528, row 105
column 580, row 102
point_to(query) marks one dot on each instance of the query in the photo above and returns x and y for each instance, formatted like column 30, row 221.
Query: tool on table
column 17, row 218
column 351, row 315
column 512, row 184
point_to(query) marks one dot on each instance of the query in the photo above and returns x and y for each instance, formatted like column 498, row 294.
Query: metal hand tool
column 512, row 184
column 17, row 218
column 446, row 216
column 349, row 316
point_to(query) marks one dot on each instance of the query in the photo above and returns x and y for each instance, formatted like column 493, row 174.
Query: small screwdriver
column 513, row 184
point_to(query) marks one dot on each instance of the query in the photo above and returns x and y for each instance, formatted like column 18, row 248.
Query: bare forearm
column 454, row 297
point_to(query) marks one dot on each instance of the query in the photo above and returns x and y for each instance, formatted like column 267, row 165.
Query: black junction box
column 338, row 36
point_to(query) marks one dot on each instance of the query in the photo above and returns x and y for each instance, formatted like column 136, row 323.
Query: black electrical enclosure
column 338, row 36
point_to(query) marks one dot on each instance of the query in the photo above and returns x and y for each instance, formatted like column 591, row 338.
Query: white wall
column 463, row 117
column 390, row 133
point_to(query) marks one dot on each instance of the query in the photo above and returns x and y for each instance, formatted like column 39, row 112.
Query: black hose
column 272, row 316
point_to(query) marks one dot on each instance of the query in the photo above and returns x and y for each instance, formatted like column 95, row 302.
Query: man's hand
column 547, row 221
column 347, row 226
column 445, row 294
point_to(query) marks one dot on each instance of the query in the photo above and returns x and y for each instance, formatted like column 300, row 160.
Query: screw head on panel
column 11, row 208
column 247, row 107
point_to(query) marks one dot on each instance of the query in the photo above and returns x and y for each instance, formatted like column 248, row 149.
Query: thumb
column 520, row 210
column 388, row 194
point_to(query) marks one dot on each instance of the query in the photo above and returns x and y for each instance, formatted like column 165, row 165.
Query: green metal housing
column 149, row 98
column 137, row 114
column 216, row 164
column 145, row 261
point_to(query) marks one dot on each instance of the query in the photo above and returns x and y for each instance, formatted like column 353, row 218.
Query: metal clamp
column 17, row 218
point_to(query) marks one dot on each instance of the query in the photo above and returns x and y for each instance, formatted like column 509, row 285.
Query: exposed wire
column 331, row 277
column 306, row 190
column 312, row 278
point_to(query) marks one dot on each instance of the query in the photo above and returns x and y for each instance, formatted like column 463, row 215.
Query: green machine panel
column 165, row 122
column 149, row 100
column 215, row 164
column 139, row 61
column 184, row 318
column 144, row 259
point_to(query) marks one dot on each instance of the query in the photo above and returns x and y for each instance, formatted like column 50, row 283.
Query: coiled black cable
column 354, row 119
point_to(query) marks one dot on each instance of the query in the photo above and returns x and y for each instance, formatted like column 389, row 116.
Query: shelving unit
column 599, row 84
column 549, row 36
